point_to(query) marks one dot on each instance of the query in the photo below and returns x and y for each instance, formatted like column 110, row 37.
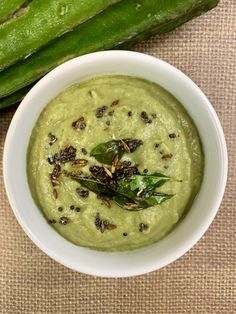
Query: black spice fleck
column 111, row 113
column 167, row 156
column 51, row 160
column 125, row 234
column 143, row 227
column 60, row 209
column 157, row 145
column 115, row 103
column 101, row 111
column 172, row 135
column 79, row 124
column 64, row 220
column 68, row 154
column 82, row 125
column 154, row 115
column 72, row 207
column 132, row 145
column 52, row 139
column 103, row 225
column 84, row 151
column 126, row 163
column 145, row 170
column 77, row 209
column 82, row 193
column 130, row 113
column 51, row 221
column 145, row 118
column 108, row 122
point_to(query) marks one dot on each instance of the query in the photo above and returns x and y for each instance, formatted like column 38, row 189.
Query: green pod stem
column 120, row 26
column 9, row 7
column 41, row 22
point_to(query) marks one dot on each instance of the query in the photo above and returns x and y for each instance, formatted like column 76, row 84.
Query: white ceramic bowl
column 186, row 233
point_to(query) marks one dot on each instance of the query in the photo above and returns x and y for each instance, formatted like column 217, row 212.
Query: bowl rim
column 189, row 243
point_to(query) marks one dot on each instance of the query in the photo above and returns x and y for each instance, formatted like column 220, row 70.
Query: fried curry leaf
column 133, row 194
column 95, row 186
column 106, row 152
column 135, row 184
column 141, row 203
column 155, row 199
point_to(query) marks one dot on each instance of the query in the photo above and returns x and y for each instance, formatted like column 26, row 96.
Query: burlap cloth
column 202, row 281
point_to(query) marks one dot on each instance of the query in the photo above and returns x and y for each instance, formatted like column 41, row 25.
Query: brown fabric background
column 202, row 281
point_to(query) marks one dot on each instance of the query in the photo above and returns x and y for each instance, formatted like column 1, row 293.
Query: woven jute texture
column 204, row 279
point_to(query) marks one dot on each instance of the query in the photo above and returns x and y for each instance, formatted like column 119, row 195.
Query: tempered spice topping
column 130, row 113
column 79, row 124
column 64, row 220
column 103, row 225
column 80, row 162
column 166, row 156
column 82, row 193
column 52, row 139
column 143, row 227
column 84, row 151
column 60, row 209
column 55, row 175
column 101, row 111
column 154, row 115
column 115, row 103
column 51, row 160
column 132, row 144
column 101, row 174
column 145, row 118
column 51, row 221
column 111, row 113
column 172, row 135
column 68, row 154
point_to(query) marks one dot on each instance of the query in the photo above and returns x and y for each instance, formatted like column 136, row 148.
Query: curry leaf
column 106, row 152
column 95, row 186
column 135, row 184
column 155, row 199
column 126, row 195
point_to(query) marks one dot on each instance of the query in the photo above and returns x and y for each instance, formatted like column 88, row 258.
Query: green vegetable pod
column 9, row 7
column 42, row 22
column 120, row 26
